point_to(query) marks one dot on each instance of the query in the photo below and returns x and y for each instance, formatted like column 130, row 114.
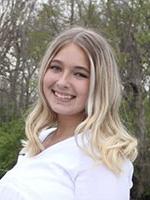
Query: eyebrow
column 76, row 67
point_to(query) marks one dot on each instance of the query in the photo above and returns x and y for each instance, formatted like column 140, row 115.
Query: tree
column 28, row 27
column 15, row 63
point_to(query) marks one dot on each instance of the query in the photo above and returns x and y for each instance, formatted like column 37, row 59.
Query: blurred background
column 26, row 28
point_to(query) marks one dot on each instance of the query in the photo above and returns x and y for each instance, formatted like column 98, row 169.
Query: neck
column 67, row 125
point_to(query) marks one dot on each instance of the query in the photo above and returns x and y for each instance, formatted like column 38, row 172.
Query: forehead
column 72, row 53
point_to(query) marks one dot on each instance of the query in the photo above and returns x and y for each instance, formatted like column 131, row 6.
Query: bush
column 11, row 134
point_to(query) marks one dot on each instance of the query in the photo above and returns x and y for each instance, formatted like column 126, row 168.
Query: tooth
column 63, row 95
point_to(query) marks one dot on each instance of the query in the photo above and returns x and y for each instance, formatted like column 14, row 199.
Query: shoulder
column 45, row 133
column 99, row 181
column 11, row 191
column 127, row 172
column 42, row 136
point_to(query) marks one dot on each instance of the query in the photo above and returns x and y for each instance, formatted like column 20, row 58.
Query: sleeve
column 130, row 176
column 99, row 183
column 10, row 192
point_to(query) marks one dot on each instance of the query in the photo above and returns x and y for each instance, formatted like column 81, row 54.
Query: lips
column 63, row 96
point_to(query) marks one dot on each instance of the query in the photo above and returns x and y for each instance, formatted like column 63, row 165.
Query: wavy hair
column 109, row 141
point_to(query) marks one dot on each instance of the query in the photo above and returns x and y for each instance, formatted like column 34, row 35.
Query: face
column 66, row 81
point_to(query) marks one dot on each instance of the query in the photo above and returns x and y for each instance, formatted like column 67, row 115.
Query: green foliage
column 146, row 194
column 44, row 28
column 127, row 116
column 11, row 134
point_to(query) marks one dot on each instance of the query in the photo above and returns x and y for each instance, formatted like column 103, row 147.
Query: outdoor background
column 26, row 28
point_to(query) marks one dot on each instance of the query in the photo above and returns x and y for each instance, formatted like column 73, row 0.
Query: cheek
column 46, row 85
column 84, row 89
column 47, row 80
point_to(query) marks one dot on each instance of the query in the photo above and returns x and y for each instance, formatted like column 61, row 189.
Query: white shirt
column 64, row 172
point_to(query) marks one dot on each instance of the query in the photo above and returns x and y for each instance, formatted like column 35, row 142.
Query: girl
column 77, row 147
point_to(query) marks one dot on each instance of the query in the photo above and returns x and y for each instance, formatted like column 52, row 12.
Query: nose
column 63, row 81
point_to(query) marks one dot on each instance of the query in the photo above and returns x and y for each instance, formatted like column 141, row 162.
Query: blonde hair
column 109, row 141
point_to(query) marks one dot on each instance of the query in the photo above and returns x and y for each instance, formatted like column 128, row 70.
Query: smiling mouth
column 63, row 96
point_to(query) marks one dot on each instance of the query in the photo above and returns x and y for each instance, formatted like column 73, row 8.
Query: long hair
column 109, row 141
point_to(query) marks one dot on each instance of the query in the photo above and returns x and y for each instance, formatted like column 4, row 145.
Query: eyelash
column 56, row 68
column 80, row 75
